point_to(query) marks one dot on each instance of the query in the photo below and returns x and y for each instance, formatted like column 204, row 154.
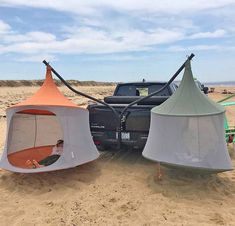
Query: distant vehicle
column 203, row 88
column 135, row 122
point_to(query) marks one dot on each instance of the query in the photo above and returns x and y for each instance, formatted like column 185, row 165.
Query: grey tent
column 187, row 130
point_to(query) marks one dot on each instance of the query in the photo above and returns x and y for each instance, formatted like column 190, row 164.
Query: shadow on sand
column 74, row 178
column 186, row 184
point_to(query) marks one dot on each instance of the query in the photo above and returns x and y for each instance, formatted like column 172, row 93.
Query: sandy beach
column 117, row 189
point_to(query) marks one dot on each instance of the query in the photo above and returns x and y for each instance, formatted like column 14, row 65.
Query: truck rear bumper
column 108, row 139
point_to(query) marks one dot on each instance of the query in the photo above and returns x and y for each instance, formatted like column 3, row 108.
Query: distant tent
column 35, row 125
column 187, row 130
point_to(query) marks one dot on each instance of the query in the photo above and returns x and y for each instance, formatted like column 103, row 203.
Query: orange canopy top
column 47, row 95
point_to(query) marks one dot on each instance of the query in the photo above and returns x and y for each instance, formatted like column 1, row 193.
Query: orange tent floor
column 19, row 158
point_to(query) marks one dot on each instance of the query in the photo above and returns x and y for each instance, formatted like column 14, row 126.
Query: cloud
column 89, row 41
column 35, row 36
column 148, row 6
column 193, row 48
column 36, row 58
column 109, row 27
column 215, row 34
column 4, row 27
column 115, row 57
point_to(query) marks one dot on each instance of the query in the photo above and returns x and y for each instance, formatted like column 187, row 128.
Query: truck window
column 141, row 90
column 156, row 87
column 126, row 90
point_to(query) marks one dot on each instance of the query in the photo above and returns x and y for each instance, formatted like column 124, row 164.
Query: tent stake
column 159, row 172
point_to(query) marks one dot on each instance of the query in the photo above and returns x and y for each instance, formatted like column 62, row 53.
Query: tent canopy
column 188, row 100
column 47, row 95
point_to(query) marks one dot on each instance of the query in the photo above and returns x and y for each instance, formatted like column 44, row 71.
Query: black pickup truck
column 136, row 120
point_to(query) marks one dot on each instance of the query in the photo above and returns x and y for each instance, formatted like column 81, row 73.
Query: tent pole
column 87, row 96
column 152, row 94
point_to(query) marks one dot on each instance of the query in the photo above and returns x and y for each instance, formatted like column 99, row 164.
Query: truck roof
column 142, row 83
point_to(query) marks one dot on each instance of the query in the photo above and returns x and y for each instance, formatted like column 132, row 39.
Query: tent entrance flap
column 32, row 135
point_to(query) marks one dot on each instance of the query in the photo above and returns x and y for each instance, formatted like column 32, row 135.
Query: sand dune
column 117, row 189
column 20, row 83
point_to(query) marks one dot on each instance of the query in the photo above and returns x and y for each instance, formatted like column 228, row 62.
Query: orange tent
column 35, row 125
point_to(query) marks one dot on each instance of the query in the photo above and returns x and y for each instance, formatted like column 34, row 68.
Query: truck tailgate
column 137, row 118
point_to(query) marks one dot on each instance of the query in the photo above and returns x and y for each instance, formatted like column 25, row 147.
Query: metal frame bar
column 117, row 115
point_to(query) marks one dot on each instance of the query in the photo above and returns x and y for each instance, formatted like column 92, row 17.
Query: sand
column 117, row 189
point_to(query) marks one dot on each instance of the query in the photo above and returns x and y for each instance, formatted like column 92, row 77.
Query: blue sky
column 117, row 40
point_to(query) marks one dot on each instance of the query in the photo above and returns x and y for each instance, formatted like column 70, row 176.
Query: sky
column 124, row 40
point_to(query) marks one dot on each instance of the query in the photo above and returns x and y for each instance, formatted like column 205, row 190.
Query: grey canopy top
column 188, row 100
